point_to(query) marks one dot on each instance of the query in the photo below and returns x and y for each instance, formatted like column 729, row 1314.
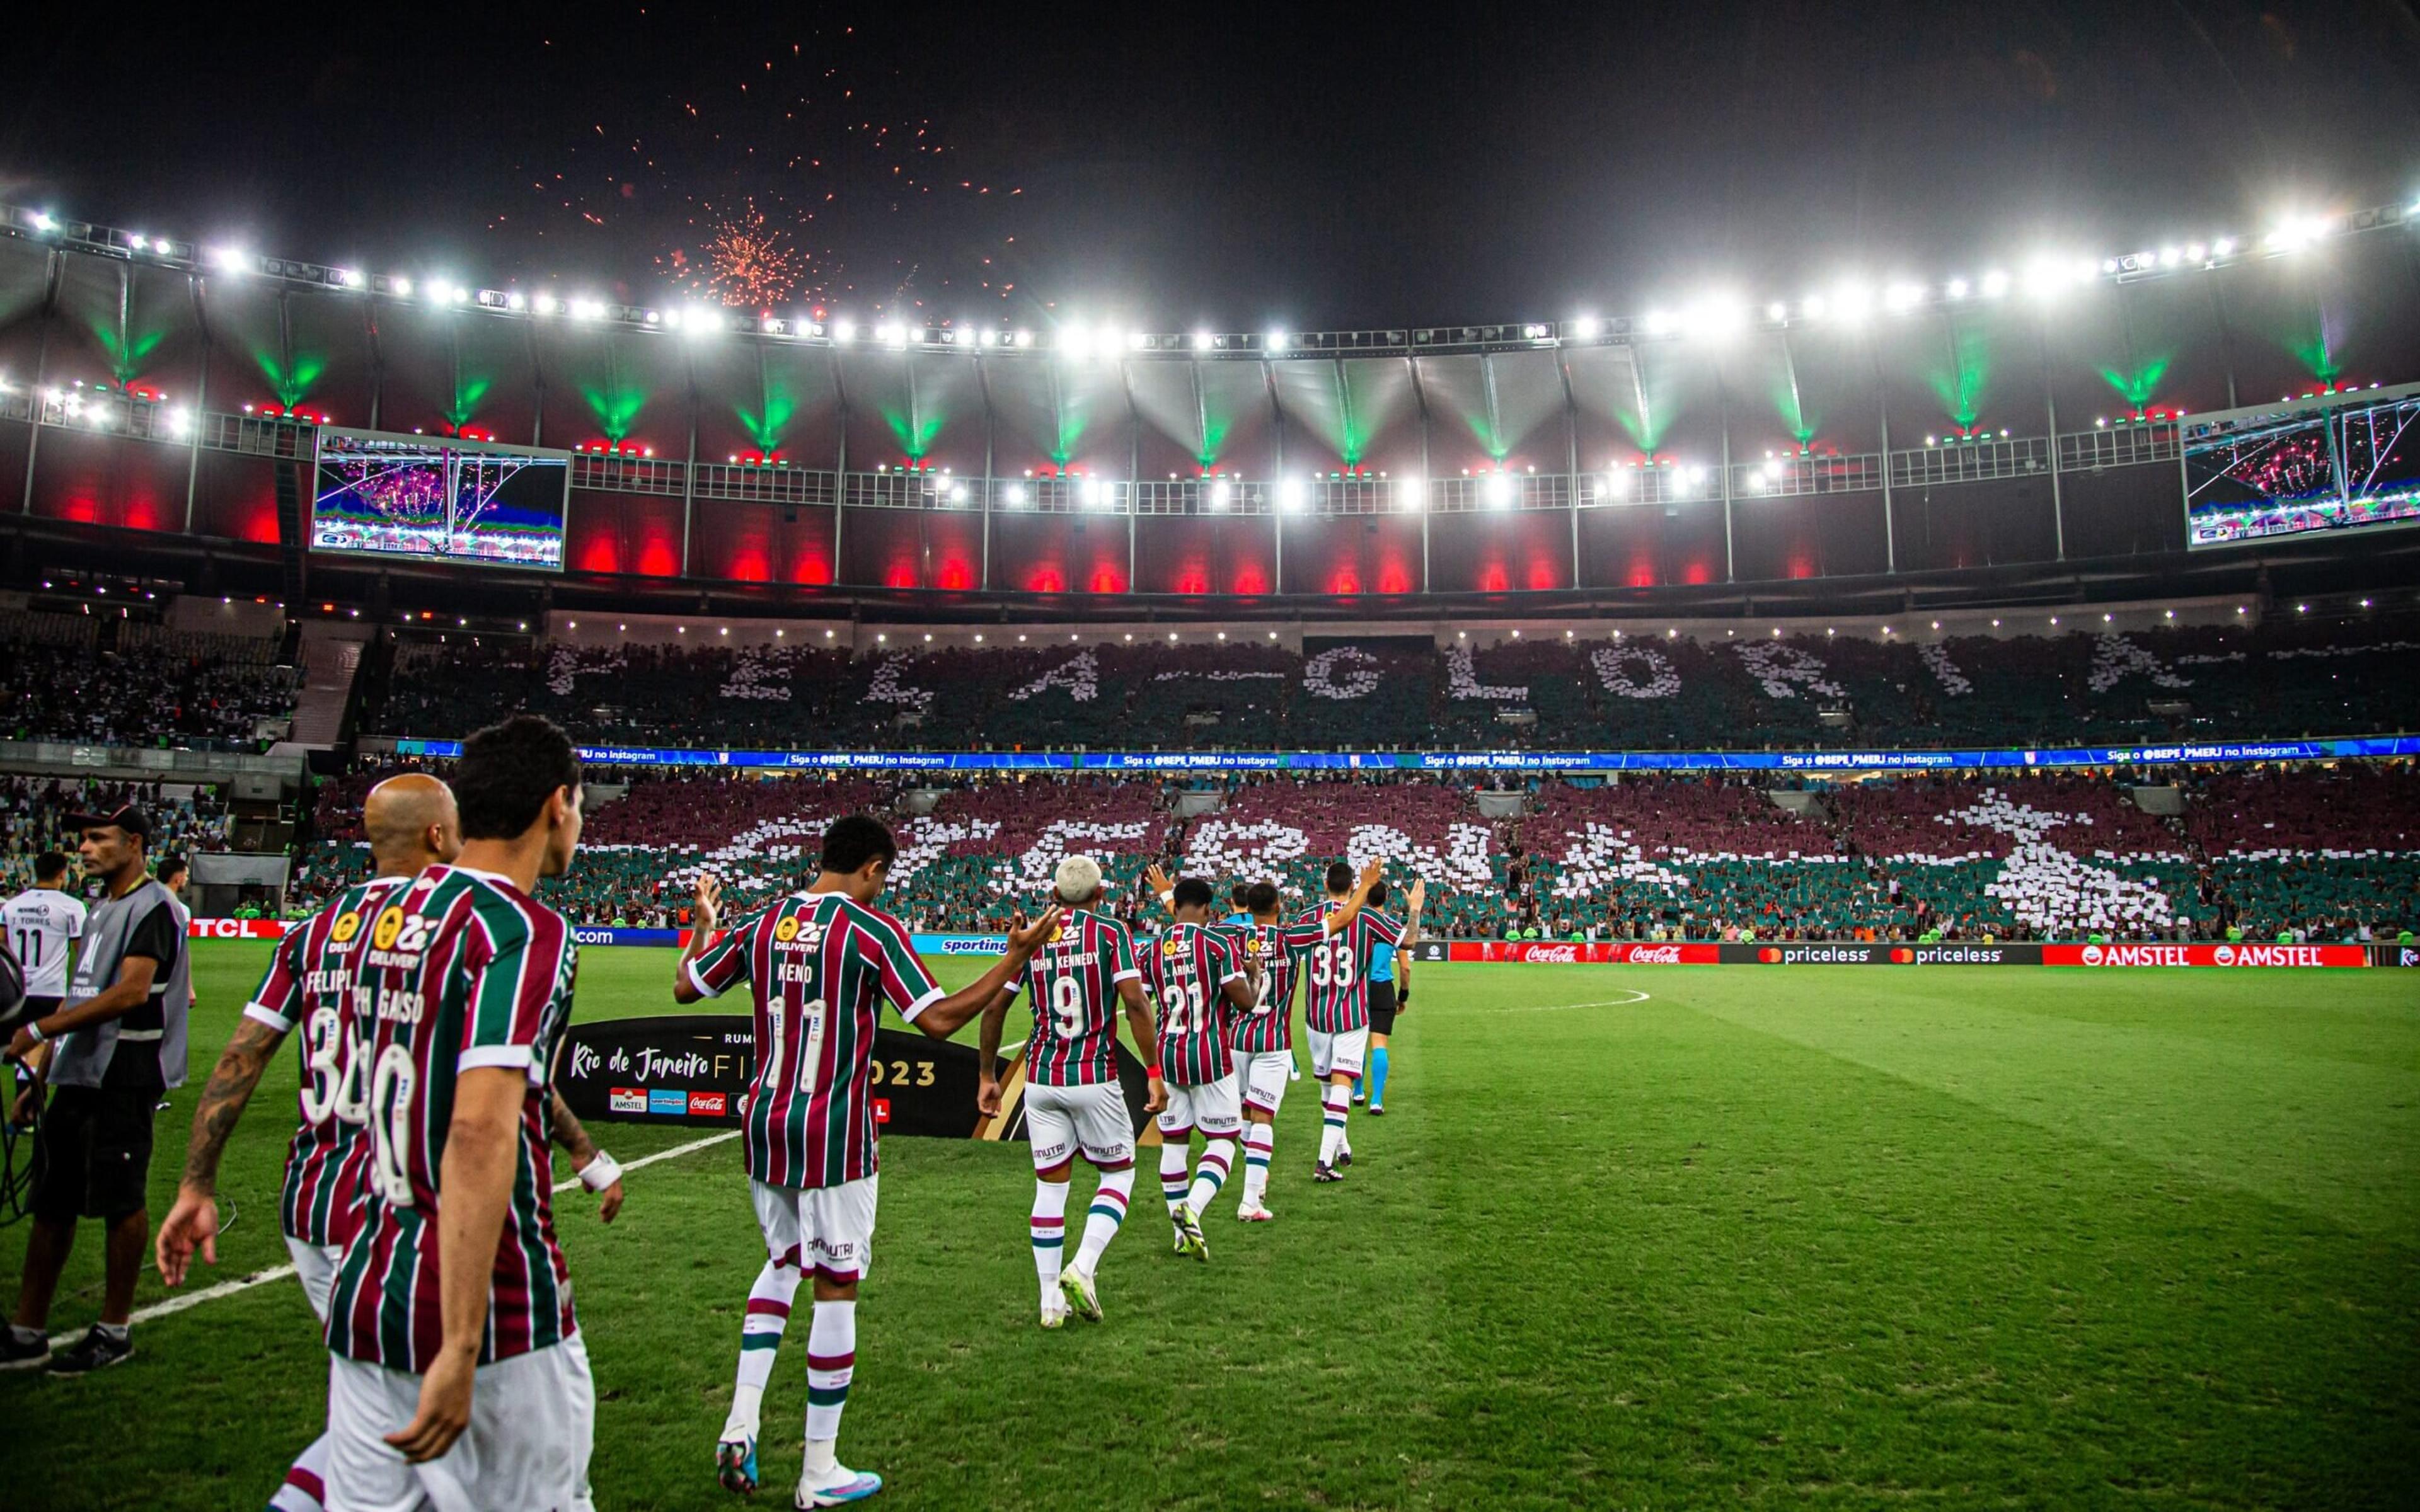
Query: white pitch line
column 1635, row 997
column 279, row 1272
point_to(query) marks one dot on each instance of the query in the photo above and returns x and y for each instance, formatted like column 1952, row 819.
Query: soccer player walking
column 1198, row 981
column 819, row 964
column 42, row 924
column 1337, row 1017
column 1077, row 981
column 458, row 1377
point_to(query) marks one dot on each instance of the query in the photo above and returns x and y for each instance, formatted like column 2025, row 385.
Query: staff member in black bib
column 118, row 1043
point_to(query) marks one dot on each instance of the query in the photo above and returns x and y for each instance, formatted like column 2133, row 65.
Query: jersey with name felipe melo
column 463, row 971
column 1338, row 969
column 1074, row 981
column 1186, row 969
column 310, row 983
column 819, row 964
column 1269, row 1026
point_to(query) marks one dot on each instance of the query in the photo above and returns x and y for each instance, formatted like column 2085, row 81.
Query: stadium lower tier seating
column 34, row 812
column 101, row 680
column 2282, row 678
column 2002, row 855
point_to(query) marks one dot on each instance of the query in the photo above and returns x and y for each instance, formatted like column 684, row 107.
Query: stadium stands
column 2282, row 678
column 34, row 810
column 101, row 681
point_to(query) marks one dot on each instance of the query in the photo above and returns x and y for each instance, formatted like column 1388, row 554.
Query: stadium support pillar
column 41, row 361
column 2050, row 411
column 1421, row 396
column 1276, row 492
column 1723, row 420
column 688, row 474
column 840, row 468
column 2226, row 329
column 983, row 568
column 1134, row 464
column 1882, row 408
column 1571, row 459
column 201, row 402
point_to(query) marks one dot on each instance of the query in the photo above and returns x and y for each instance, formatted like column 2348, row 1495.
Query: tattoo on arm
column 230, row 1087
column 568, row 1131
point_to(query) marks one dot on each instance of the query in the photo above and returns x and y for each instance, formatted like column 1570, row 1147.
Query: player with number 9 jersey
column 309, row 984
column 820, row 966
column 463, row 970
column 1073, row 981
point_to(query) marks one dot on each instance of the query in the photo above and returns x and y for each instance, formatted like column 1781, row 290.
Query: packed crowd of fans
column 100, row 682
column 34, row 812
column 2311, row 853
column 2282, row 678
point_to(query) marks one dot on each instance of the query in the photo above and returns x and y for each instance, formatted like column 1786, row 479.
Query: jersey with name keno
column 820, row 966
column 309, row 984
column 1338, row 969
column 463, row 971
column 1074, row 981
column 1186, row 969
column 1269, row 1026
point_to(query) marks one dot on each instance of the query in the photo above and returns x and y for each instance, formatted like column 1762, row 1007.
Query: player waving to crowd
column 1076, row 983
column 819, row 963
column 1337, row 1016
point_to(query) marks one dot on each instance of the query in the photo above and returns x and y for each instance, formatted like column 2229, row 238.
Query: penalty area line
column 1634, row 996
column 278, row 1272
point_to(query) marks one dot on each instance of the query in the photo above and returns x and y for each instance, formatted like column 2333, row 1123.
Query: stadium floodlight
column 1275, row 341
column 1852, row 301
column 1137, row 340
column 1716, row 317
column 1013, row 496
column 1585, row 328
column 1222, row 493
column 1955, row 289
column 515, row 301
column 1498, row 490
column 1291, row 494
column 1995, row 283
column 843, row 331
column 700, row 322
column 1902, row 298
column 2043, row 279
column 957, row 493
column 2222, row 247
column 546, row 305
column 230, row 259
column 1657, row 323
column 401, row 285
column 1075, row 338
column 988, row 338
column 2170, row 256
column 349, row 277
column 1414, row 492
column 1776, row 311
column 2195, row 252
column 181, row 421
column 1095, row 493
column 1023, row 338
column 894, row 335
column 1815, row 307
column 45, row 221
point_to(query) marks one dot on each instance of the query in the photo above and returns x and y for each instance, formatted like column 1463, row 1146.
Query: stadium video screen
column 2348, row 461
column 440, row 499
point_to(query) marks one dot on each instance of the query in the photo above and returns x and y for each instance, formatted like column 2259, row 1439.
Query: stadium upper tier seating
column 34, row 812
column 2000, row 854
column 100, row 681
column 2284, row 678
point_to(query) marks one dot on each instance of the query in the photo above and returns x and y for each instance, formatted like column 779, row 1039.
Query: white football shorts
column 824, row 1231
column 317, row 1266
column 1333, row 1053
column 532, row 1424
column 1264, row 1074
column 1212, row 1107
column 1061, row 1120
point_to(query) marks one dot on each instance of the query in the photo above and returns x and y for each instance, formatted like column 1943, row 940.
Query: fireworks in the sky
column 844, row 188
column 745, row 261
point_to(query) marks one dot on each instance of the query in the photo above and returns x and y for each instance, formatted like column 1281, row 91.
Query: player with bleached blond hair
column 1077, row 981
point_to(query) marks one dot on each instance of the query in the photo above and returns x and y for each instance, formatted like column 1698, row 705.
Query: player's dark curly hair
column 1262, row 898
column 1190, row 891
column 1340, row 876
column 506, row 772
column 855, row 839
column 1377, row 895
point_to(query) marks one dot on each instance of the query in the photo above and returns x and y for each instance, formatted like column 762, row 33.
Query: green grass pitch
column 1781, row 1237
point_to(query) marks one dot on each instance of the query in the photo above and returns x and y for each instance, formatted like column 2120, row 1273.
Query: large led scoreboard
column 440, row 499
column 2337, row 462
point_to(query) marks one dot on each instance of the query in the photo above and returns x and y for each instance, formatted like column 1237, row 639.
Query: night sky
column 1226, row 168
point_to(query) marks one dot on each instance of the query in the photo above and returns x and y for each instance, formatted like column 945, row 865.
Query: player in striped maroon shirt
column 464, row 1383
column 1336, row 1015
column 819, row 964
column 1198, row 981
column 1076, row 983
column 411, row 825
column 1263, row 1040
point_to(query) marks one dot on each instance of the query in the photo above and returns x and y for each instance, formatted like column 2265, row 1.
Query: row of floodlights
column 1711, row 316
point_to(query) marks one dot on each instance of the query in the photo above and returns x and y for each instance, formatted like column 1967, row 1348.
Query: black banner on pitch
column 1132, row 1083
column 696, row 1068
